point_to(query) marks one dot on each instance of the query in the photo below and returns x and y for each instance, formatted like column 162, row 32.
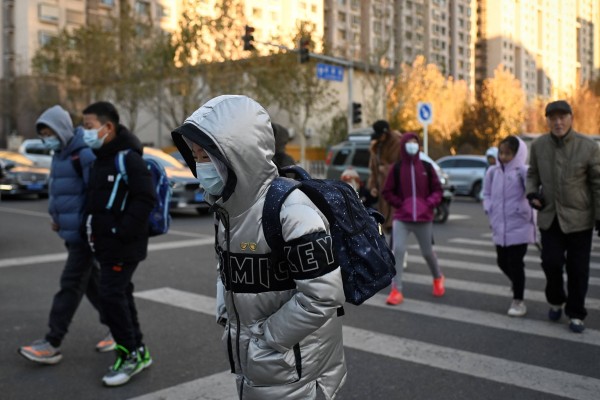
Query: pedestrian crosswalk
column 464, row 254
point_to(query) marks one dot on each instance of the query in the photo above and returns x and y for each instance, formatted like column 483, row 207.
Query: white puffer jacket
column 283, row 335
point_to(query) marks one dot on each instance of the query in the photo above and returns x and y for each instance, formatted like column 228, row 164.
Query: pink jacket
column 417, row 192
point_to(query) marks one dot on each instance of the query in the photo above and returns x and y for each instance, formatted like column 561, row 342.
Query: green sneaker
column 126, row 366
column 145, row 356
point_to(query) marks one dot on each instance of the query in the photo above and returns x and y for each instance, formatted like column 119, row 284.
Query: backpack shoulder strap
column 428, row 168
column 121, row 174
column 279, row 190
column 396, row 172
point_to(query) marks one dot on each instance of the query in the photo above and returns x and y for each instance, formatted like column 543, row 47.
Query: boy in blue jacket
column 69, row 176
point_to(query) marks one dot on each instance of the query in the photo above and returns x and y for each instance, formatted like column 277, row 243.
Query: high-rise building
column 547, row 44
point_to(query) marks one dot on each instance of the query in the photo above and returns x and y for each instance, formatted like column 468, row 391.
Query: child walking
column 510, row 215
column 413, row 189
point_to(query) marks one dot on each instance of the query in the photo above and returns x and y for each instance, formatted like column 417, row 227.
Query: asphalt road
column 461, row 346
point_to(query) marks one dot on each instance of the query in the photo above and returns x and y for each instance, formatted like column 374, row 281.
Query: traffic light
column 356, row 113
column 248, row 38
column 303, row 51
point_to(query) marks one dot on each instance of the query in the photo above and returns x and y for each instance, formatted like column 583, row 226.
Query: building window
column 45, row 37
column 341, row 17
column 341, row 34
column 142, row 7
column 75, row 17
column 109, row 3
column 48, row 13
column 257, row 13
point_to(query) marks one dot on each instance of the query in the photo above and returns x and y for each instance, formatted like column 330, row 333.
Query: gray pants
column 424, row 233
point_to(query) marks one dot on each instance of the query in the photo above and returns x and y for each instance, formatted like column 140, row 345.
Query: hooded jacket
column 510, row 215
column 120, row 234
column 69, row 175
column 567, row 172
column 283, row 335
column 418, row 192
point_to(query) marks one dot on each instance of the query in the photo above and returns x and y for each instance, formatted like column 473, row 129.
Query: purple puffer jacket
column 418, row 193
column 510, row 215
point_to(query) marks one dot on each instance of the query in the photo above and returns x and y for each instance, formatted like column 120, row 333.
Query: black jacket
column 120, row 235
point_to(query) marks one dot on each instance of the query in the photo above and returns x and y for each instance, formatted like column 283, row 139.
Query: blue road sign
column 330, row 72
column 425, row 113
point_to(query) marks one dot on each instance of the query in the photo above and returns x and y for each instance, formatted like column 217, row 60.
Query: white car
column 35, row 150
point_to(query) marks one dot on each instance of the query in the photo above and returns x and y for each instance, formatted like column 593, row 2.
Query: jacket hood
column 493, row 152
column 405, row 138
column 520, row 159
column 59, row 120
column 237, row 131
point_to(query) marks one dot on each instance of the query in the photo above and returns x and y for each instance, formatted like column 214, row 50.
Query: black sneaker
column 576, row 325
column 127, row 365
column 554, row 313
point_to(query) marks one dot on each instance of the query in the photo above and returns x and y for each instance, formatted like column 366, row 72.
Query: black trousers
column 510, row 261
column 571, row 250
column 116, row 294
column 80, row 276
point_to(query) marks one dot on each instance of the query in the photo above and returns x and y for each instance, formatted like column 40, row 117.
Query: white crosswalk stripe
column 518, row 374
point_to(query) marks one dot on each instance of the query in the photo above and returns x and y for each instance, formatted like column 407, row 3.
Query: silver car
column 465, row 172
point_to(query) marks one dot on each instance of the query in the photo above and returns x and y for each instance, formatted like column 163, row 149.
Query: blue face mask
column 90, row 137
column 51, row 143
column 209, row 178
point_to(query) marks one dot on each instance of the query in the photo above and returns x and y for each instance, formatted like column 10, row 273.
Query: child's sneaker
column 395, row 297
column 576, row 325
column 107, row 344
column 554, row 313
column 127, row 365
column 517, row 309
column 145, row 356
column 438, row 286
column 41, row 351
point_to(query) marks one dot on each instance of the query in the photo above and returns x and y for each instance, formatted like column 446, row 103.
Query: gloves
column 598, row 227
column 534, row 196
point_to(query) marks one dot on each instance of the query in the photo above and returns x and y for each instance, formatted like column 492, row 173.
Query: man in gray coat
column 563, row 183
column 282, row 329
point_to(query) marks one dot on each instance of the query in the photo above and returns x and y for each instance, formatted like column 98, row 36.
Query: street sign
column 330, row 72
column 424, row 113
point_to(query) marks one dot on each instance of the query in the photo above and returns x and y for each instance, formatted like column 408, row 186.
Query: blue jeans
column 81, row 275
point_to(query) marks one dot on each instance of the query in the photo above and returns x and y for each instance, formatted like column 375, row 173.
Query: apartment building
column 549, row 45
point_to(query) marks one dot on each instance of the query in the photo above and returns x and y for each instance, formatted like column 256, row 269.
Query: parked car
column 187, row 192
column 466, row 173
column 21, row 176
column 354, row 153
column 35, row 150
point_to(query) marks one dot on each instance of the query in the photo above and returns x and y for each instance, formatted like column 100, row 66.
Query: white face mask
column 412, row 148
column 51, row 143
column 209, row 178
column 90, row 137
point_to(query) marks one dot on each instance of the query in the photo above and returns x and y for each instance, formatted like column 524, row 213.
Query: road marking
column 48, row 258
column 474, row 242
column 456, row 217
column 514, row 373
column 25, row 212
column 486, row 288
column 483, row 253
column 220, row 386
column 487, row 268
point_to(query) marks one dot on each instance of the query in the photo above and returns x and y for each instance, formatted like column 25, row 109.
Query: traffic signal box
column 248, row 38
column 356, row 113
column 303, row 51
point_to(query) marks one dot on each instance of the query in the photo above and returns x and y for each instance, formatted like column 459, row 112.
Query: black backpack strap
column 279, row 190
column 396, row 172
column 428, row 169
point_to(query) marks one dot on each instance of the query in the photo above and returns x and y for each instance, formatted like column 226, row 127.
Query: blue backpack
column 159, row 218
column 359, row 246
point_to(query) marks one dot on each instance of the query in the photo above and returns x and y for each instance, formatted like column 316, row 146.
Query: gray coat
column 283, row 336
column 567, row 172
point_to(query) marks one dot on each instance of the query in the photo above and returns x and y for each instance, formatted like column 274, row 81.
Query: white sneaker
column 517, row 309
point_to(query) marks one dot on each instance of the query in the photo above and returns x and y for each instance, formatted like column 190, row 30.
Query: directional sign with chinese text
column 330, row 72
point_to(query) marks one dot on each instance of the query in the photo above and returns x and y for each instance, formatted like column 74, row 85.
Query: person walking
column 510, row 215
column 283, row 334
column 384, row 151
column 412, row 187
column 69, row 177
column 282, row 137
column 563, row 183
column 118, row 235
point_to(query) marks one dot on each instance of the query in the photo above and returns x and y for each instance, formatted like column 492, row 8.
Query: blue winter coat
column 69, row 174
column 510, row 215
